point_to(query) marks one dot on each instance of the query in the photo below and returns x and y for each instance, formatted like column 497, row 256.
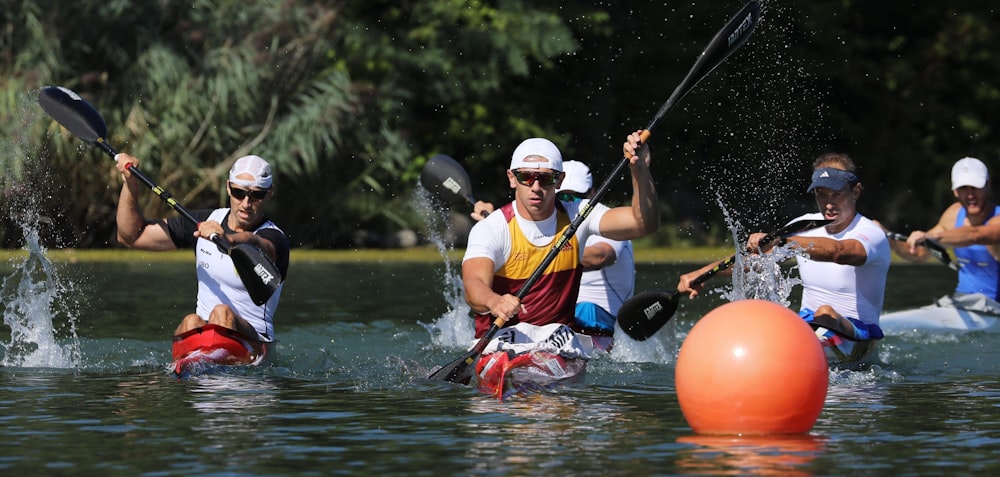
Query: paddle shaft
column 644, row 314
column 724, row 43
column 566, row 236
column 783, row 232
column 935, row 249
column 258, row 273
column 733, row 35
column 159, row 191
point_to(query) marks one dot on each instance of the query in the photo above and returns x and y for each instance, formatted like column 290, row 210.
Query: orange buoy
column 751, row 367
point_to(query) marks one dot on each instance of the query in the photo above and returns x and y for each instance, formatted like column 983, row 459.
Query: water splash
column 453, row 329
column 758, row 276
column 36, row 308
column 36, row 314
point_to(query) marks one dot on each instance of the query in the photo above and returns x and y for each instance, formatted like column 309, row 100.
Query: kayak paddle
column 258, row 273
column 935, row 248
column 732, row 36
column 447, row 179
column 644, row 314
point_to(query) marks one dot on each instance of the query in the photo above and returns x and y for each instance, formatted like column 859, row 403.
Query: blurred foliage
column 349, row 99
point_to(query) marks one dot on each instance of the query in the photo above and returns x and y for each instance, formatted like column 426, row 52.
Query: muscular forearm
column 128, row 218
column 967, row 235
column 822, row 249
column 478, row 295
column 253, row 239
column 598, row 256
column 645, row 202
column 903, row 250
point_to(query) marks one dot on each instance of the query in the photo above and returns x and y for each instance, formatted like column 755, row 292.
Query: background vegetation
column 348, row 99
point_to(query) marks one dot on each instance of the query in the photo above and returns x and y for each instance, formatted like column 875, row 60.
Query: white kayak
column 964, row 314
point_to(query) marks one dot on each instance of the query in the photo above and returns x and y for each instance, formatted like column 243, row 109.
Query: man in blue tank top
column 971, row 226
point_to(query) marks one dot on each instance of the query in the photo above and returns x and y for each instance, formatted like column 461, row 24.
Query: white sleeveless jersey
column 219, row 284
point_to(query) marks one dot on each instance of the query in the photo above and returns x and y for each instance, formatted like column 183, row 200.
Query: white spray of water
column 758, row 276
column 41, row 320
column 32, row 297
column 455, row 328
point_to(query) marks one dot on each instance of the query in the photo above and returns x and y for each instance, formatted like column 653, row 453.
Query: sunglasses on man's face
column 546, row 179
column 568, row 196
column 240, row 194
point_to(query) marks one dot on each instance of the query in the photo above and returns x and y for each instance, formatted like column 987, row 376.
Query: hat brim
column 828, row 182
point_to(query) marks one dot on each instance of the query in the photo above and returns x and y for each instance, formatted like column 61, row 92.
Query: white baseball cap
column 577, row 178
column 256, row 167
column 536, row 153
column 969, row 171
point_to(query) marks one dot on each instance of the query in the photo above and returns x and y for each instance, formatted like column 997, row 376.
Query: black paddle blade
column 447, row 179
column 644, row 314
column 73, row 113
column 259, row 274
column 458, row 371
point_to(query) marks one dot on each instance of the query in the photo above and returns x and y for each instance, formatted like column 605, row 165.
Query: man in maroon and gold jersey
column 505, row 248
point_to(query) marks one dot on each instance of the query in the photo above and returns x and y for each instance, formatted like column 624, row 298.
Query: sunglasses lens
column 544, row 178
column 240, row 194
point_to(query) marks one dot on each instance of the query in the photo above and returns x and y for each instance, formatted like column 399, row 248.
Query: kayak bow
column 212, row 345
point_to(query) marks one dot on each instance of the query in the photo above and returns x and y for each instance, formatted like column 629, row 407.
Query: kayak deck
column 202, row 348
column 939, row 319
column 504, row 373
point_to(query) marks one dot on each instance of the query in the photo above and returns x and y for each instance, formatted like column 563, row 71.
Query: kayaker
column 609, row 265
column 971, row 225
column 843, row 266
column 507, row 246
column 222, row 297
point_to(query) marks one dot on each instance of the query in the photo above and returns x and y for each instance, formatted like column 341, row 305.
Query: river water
column 85, row 390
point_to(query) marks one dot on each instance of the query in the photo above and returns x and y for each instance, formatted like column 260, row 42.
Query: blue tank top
column 980, row 272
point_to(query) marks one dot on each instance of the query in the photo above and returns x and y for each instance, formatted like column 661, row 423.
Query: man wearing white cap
column 972, row 226
column 609, row 266
column 222, row 297
column 506, row 247
column 844, row 265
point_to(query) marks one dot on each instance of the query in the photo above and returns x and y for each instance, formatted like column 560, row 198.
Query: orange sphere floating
column 751, row 367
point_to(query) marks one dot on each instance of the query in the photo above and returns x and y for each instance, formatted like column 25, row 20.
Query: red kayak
column 505, row 373
column 214, row 345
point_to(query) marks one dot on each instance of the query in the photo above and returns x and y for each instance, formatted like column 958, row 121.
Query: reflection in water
column 749, row 455
column 232, row 404
column 543, row 430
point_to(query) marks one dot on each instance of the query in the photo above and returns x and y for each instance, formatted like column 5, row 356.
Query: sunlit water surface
column 348, row 392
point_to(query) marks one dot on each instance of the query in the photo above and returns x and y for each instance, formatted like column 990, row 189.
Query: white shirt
column 855, row 292
column 490, row 237
column 218, row 283
column 610, row 286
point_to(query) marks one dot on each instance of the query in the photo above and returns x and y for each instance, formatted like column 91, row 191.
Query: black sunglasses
column 255, row 195
column 546, row 179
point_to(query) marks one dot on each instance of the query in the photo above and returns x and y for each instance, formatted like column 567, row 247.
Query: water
column 347, row 393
